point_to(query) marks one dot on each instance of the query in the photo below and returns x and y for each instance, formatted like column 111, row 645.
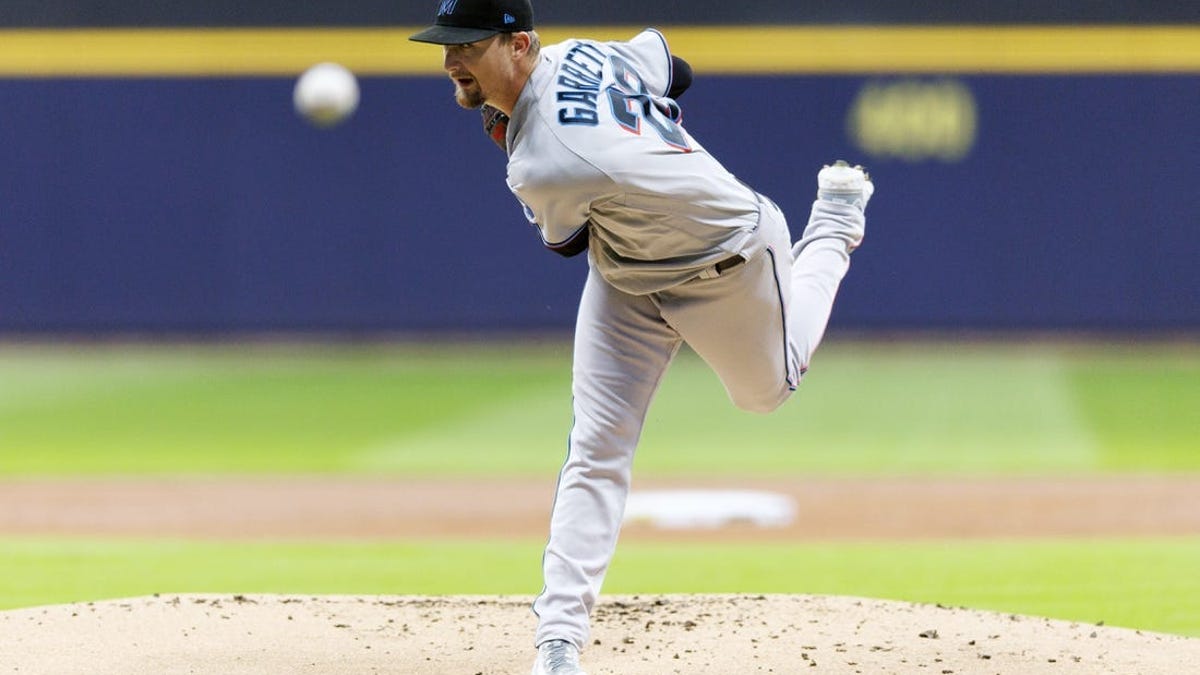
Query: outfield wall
column 110, row 13
column 154, row 186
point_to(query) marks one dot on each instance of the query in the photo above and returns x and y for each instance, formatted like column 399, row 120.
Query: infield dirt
column 826, row 509
column 645, row 635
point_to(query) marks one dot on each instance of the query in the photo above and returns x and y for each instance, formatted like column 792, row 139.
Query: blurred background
column 196, row 282
column 1036, row 165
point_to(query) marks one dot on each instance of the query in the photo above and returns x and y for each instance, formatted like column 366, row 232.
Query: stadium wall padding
column 208, row 13
column 204, row 205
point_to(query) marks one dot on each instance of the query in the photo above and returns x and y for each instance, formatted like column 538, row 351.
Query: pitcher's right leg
column 622, row 349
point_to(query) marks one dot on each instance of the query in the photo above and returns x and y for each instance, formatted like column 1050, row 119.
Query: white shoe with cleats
column 557, row 657
column 845, row 184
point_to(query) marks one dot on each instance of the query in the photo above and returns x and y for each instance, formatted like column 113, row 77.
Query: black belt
column 729, row 263
column 721, row 267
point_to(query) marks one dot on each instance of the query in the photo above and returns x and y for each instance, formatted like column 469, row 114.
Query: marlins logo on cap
column 462, row 21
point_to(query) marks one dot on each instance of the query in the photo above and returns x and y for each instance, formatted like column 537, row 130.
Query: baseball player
column 679, row 250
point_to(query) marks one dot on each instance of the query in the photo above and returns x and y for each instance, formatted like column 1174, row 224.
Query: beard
column 471, row 98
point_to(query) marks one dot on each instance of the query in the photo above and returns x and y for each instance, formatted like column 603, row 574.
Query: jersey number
column 631, row 104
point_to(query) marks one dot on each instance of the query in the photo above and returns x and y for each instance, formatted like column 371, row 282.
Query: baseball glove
column 495, row 124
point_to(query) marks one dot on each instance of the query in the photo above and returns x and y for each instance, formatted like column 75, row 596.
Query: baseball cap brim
column 452, row 35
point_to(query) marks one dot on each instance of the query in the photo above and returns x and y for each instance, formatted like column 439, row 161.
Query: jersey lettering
column 580, row 75
column 631, row 104
column 585, row 97
column 580, row 85
column 578, row 116
column 587, row 56
column 585, row 85
column 583, row 73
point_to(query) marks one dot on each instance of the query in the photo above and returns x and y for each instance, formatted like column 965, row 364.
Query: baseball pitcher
column 679, row 250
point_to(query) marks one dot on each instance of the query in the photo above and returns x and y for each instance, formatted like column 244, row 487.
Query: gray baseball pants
column 756, row 325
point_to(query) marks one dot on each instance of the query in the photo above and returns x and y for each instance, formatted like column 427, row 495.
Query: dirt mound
column 632, row 635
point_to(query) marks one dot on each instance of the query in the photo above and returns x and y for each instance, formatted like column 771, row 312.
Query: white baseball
column 326, row 94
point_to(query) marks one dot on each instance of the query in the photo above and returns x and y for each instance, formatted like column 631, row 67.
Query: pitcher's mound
column 632, row 635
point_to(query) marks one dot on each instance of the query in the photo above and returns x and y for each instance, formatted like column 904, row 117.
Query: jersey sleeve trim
column 670, row 64
column 571, row 246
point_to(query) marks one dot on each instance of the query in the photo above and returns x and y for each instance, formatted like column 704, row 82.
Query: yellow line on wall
column 725, row 50
column 948, row 49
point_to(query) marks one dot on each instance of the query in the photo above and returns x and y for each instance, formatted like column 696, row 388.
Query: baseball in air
column 326, row 94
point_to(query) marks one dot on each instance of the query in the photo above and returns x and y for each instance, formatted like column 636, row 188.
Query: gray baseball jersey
column 596, row 147
column 594, row 140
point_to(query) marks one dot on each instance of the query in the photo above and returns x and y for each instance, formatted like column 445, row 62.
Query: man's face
column 478, row 69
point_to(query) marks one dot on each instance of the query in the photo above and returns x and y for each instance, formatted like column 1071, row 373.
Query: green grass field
column 1148, row 584
column 865, row 408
